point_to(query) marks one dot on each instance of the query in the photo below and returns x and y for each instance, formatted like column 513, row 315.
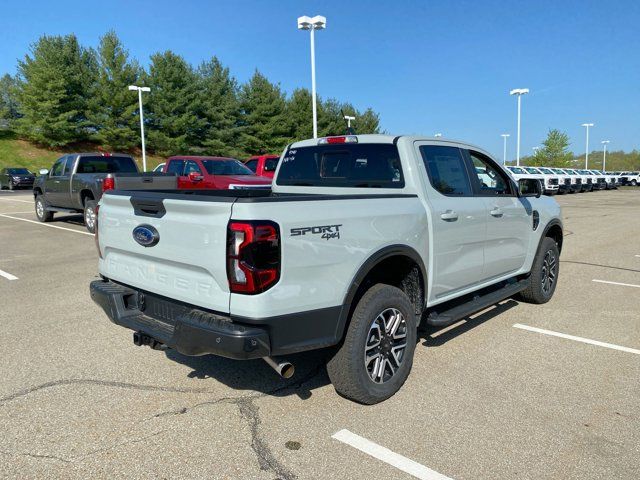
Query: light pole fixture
column 313, row 23
column 504, row 148
column 140, row 90
column 348, row 119
column 519, row 92
column 604, row 154
column 586, row 157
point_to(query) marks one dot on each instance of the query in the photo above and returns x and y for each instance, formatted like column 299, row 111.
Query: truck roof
column 379, row 138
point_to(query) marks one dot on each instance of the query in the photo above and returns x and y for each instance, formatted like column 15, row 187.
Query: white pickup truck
column 361, row 239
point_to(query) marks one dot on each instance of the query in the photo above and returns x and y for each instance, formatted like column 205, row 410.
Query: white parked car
column 550, row 181
column 630, row 178
column 575, row 178
column 159, row 167
column 564, row 180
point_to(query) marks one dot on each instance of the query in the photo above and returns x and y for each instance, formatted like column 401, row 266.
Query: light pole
column 586, row 157
column 140, row 90
column 315, row 23
column 504, row 153
column 519, row 92
column 604, row 154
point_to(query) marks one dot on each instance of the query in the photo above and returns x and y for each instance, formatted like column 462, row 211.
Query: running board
column 63, row 210
column 447, row 317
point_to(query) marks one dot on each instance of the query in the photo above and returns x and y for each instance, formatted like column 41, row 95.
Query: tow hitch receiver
column 141, row 339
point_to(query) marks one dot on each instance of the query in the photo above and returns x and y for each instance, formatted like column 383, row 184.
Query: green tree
column 9, row 110
column 263, row 116
column 219, row 109
column 112, row 105
column 554, row 152
column 299, row 115
column 56, row 82
column 174, row 126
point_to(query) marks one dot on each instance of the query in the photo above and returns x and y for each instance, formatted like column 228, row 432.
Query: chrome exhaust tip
column 284, row 369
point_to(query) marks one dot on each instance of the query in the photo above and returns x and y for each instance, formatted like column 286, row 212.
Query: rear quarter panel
column 317, row 272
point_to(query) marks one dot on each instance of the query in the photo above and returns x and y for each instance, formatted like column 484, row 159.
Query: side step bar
column 63, row 210
column 447, row 317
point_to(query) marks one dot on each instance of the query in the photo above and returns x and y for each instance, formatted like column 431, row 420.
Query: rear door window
column 447, row 170
column 342, row 165
column 176, row 167
column 105, row 164
column 68, row 164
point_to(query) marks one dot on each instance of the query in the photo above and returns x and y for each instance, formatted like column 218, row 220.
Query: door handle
column 56, row 181
column 449, row 216
column 496, row 212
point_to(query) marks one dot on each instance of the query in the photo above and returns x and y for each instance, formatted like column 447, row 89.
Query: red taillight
column 336, row 139
column 95, row 235
column 109, row 183
column 253, row 256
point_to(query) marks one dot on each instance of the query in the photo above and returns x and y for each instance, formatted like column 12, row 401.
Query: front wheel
column 634, row 183
column 90, row 215
column 544, row 273
column 377, row 354
column 41, row 210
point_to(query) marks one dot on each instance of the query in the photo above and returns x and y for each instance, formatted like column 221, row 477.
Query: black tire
column 90, row 215
column 634, row 183
column 41, row 212
column 348, row 369
column 544, row 273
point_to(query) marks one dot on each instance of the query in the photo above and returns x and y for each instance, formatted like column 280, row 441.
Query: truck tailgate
column 188, row 263
column 145, row 181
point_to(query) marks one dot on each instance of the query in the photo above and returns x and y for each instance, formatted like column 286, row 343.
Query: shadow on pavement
column 256, row 375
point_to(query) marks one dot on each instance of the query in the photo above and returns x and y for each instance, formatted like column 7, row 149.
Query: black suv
column 17, row 177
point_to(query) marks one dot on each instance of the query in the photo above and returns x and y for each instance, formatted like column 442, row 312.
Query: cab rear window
column 104, row 164
column 366, row 165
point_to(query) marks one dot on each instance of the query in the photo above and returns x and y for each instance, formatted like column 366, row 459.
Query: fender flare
column 379, row 256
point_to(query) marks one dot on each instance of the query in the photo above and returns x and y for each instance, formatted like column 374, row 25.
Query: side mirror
column 43, row 171
column 195, row 177
column 529, row 187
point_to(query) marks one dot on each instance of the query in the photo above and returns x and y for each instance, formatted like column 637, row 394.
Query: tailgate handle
column 147, row 179
column 143, row 207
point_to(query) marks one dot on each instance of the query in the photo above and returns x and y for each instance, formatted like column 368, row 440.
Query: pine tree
column 174, row 126
column 219, row 109
column 263, row 122
column 55, row 84
column 112, row 105
column 299, row 115
column 9, row 109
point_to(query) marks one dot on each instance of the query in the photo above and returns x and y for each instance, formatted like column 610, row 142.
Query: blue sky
column 425, row 66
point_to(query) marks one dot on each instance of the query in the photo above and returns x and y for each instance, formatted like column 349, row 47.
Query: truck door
column 508, row 217
column 176, row 166
column 458, row 221
column 53, row 186
column 65, row 199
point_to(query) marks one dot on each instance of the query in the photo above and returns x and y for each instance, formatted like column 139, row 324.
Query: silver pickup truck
column 361, row 239
column 76, row 182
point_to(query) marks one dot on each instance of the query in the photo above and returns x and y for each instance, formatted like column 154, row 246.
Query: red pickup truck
column 263, row 165
column 213, row 173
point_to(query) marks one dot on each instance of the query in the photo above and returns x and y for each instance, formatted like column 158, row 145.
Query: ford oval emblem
column 146, row 235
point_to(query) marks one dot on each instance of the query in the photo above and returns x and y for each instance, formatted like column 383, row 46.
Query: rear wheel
column 634, row 183
column 377, row 354
column 544, row 273
column 10, row 185
column 90, row 215
column 41, row 210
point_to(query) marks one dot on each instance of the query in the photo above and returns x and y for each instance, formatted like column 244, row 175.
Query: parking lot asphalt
column 500, row 395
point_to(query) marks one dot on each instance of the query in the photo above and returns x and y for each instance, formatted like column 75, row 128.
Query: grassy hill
column 20, row 153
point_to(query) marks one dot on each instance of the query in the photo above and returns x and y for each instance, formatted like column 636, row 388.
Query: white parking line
column 45, row 224
column 577, row 339
column 616, row 283
column 16, row 200
column 381, row 453
column 16, row 213
column 8, row 276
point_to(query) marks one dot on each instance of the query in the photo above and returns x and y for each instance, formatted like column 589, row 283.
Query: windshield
column 100, row 164
column 531, row 170
column 518, row 170
column 557, row 170
column 342, row 165
column 18, row 171
column 229, row 166
column 546, row 171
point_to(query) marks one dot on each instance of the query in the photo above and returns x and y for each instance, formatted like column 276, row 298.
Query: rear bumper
column 193, row 331
column 180, row 327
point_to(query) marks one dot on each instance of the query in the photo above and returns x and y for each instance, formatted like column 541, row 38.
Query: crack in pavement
column 245, row 403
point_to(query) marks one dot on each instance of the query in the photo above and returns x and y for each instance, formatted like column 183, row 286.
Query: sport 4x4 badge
column 326, row 231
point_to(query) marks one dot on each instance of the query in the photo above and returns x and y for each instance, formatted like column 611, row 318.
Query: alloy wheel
column 549, row 271
column 386, row 345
